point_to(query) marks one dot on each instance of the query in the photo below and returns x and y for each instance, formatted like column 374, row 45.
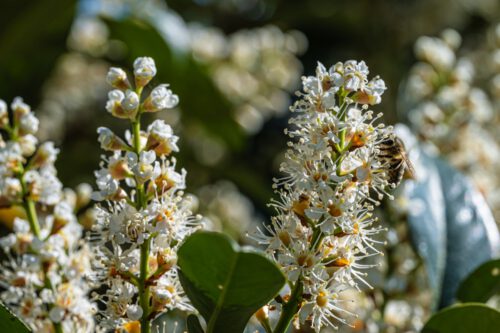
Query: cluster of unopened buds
column 43, row 275
column 144, row 216
column 338, row 167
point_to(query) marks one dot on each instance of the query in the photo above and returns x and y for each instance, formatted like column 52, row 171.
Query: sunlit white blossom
column 331, row 179
column 143, row 217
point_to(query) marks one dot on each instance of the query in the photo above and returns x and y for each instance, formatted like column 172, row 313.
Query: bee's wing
column 408, row 166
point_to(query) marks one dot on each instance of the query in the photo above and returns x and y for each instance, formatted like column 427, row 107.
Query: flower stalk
column 42, row 280
column 145, row 246
column 29, row 207
column 290, row 308
column 146, row 217
column 332, row 178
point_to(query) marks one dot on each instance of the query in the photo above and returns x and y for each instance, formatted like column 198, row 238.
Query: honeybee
column 392, row 155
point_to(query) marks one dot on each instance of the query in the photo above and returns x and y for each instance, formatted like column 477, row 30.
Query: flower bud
column 162, row 296
column 161, row 98
column 69, row 196
column 88, row 218
column 144, row 167
column 27, row 143
column 4, row 115
column 117, row 78
column 109, row 140
column 46, row 154
column 134, row 312
column 130, row 103
column 144, row 70
column 28, row 124
column 63, row 214
column 372, row 92
column 11, row 188
column 452, row 38
column 83, row 193
column 161, row 138
column 56, row 314
column 19, row 108
column 114, row 103
column 166, row 259
column 119, row 169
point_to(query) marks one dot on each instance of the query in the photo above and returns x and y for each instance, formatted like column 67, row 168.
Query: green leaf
column 9, row 322
column 464, row 318
column 452, row 227
column 482, row 284
column 428, row 223
column 227, row 284
column 471, row 232
column 193, row 324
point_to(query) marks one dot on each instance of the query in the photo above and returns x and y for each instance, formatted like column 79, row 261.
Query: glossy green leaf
column 482, row 284
column 471, row 232
column 193, row 324
column 464, row 318
column 9, row 322
column 227, row 284
column 428, row 222
column 452, row 228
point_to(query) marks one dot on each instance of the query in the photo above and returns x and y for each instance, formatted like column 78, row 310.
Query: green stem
column 143, row 288
column 58, row 328
column 29, row 207
column 290, row 308
column 144, row 292
column 136, row 131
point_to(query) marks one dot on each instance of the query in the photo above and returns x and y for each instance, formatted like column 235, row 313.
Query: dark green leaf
column 428, row 222
column 225, row 283
column 464, row 318
column 471, row 232
column 193, row 324
column 451, row 226
column 31, row 39
column 9, row 322
column 482, row 284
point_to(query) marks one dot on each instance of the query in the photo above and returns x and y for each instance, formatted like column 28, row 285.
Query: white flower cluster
column 440, row 91
column 255, row 69
column 146, row 217
column 451, row 113
column 324, row 227
column 43, row 276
